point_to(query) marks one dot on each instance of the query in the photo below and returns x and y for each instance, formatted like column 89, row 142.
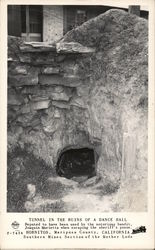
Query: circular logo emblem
column 15, row 225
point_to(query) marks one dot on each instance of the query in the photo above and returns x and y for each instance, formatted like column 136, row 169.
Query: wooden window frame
column 28, row 35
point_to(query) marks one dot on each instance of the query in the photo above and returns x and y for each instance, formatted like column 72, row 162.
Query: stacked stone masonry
column 43, row 82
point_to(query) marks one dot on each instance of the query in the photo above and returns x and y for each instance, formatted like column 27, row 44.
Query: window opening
column 31, row 16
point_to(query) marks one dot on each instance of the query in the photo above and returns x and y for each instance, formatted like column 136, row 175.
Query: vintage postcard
column 77, row 124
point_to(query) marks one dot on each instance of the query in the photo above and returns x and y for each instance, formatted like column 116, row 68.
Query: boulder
column 119, row 76
column 73, row 47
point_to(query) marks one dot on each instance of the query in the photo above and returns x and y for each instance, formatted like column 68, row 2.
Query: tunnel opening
column 77, row 162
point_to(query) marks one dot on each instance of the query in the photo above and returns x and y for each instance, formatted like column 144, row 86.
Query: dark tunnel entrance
column 77, row 162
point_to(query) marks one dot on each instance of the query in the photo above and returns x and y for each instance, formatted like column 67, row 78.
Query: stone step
column 73, row 81
column 62, row 47
column 73, row 47
column 37, row 47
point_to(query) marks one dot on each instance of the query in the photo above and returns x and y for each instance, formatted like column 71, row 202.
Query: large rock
column 73, row 47
column 59, row 80
column 119, row 90
column 37, row 47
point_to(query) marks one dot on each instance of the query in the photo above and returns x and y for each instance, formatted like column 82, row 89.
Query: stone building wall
column 89, row 90
column 52, row 23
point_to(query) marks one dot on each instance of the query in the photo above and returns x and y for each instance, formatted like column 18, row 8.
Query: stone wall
column 45, row 105
column 88, row 90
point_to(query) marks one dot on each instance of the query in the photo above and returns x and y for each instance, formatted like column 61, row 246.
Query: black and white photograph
column 77, row 108
column 77, row 99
